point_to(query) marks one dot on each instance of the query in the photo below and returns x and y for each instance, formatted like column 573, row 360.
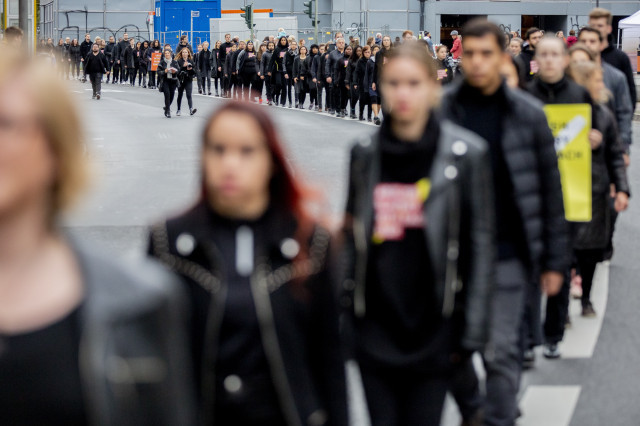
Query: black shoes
column 209, row 93
column 376, row 120
column 98, row 96
column 588, row 311
column 167, row 112
column 528, row 359
column 192, row 111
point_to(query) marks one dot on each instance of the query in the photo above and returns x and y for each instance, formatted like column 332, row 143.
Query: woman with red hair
column 265, row 337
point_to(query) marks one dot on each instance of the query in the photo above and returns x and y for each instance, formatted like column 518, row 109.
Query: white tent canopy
column 632, row 21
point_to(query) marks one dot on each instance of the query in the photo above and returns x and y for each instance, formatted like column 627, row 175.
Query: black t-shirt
column 403, row 326
column 240, row 351
column 40, row 377
column 483, row 115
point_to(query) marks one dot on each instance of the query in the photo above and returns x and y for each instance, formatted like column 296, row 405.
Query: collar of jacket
column 368, row 168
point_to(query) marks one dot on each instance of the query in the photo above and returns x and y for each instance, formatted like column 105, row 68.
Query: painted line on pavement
column 548, row 405
column 581, row 339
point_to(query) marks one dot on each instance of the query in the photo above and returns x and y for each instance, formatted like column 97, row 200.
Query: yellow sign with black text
column 570, row 125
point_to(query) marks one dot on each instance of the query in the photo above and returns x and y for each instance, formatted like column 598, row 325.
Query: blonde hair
column 59, row 121
column 599, row 13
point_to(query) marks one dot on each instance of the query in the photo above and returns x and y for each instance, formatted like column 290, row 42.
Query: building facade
column 361, row 18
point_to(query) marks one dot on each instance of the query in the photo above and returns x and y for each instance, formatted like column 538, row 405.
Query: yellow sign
column 570, row 125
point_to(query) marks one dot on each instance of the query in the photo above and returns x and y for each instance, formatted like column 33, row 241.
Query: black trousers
column 313, row 91
column 259, row 83
column 75, row 69
column 587, row 261
column 319, row 88
column 340, row 96
column 248, row 85
column 96, row 82
column 152, row 78
column 288, row 85
column 204, row 82
column 116, row 72
column 330, row 95
column 185, row 88
column 303, row 89
column 132, row 75
column 216, row 83
column 365, row 101
column 557, row 310
column 397, row 398
column 169, row 90
column 142, row 75
column 124, row 73
column 279, row 92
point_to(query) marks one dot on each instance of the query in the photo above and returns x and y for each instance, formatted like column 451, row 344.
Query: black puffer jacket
column 74, row 53
column 523, row 63
column 530, row 155
column 298, row 320
column 607, row 166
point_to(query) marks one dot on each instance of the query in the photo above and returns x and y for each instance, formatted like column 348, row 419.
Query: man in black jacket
column 527, row 65
column 225, row 49
column 85, row 48
column 601, row 19
column 330, row 64
column 532, row 232
column 96, row 65
column 109, row 51
column 206, row 65
column 317, row 74
column 122, row 46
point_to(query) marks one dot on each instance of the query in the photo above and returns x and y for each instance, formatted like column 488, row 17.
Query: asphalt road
column 146, row 167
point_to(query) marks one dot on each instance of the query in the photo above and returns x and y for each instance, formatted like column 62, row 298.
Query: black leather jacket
column 134, row 365
column 300, row 336
column 460, row 233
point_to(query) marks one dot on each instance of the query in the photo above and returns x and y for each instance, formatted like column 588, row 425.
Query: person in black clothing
column 195, row 61
column 68, row 308
column 85, row 48
column 143, row 64
column 277, row 71
column 74, row 55
column 262, row 49
column 288, row 73
column 122, row 47
column 445, row 71
column 264, row 325
column 154, row 48
column 380, row 62
column 525, row 61
column 167, row 80
column 128, row 61
column 235, row 82
column 418, row 188
column 314, row 51
column 374, row 95
column 533, row 243
column 265, row 75
column 319, row 78
column 602, row 20
column 351, row 81
column 302, row 75
column 608, row 166
column 340, row 78
column 96, row 65
column 62, row 58
column 360, row 85
column 248, row 67
column 184, row 42
column 207, row 66
column 218, row 77
column 109, row 52
column 186, row 73
column 553, row 87
column 331, row 67
column 224, row 50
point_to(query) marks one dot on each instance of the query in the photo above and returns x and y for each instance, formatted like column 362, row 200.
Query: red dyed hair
column 285, row 191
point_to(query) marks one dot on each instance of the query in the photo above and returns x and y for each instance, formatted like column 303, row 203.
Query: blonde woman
column 84, row 340
column 186, row 73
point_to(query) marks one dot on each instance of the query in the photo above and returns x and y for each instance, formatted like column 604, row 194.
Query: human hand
column 622, row 202
column 551, row 282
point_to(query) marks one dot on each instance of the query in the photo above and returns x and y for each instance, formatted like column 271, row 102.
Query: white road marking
column 581, row 339
column 548, row 405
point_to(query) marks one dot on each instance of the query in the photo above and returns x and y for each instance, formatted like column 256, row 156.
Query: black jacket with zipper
column 459, row 231
column 163, row 74
column 529, row 152
column 74, row 54
column 300, row 335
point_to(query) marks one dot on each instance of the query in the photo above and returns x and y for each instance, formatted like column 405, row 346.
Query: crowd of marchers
column 250, row 307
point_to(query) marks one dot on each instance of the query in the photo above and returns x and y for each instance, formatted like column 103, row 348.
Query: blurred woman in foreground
column 83, row 340
column 264, row 319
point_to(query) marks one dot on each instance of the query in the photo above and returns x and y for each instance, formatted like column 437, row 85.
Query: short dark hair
column 480, row 27
column 591, row 30
column 531, row 31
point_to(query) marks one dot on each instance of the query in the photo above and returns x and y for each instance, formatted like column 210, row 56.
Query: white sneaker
column 178, row 113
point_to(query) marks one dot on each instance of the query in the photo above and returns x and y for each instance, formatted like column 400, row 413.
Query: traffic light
column 247, row 15
column 310, row 11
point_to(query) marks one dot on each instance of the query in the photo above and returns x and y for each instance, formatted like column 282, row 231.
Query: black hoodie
column 276, row 64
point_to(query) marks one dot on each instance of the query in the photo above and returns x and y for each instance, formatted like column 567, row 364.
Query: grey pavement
column 146, row 167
